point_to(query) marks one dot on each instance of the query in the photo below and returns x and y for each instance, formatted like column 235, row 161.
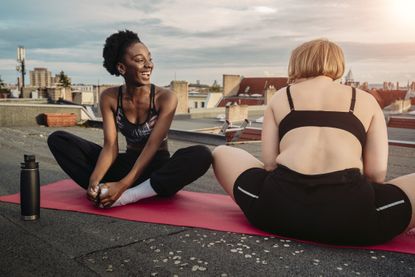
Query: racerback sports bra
column 136, row 133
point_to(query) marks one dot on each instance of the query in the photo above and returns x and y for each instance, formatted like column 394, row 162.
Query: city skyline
column 201, row 40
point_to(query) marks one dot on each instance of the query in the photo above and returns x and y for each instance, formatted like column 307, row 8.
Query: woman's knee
column 219, row 162
column 203, row 152
column 56, row 138
column 198, row 154
column 221, row 155
column 202, row 157
column 220, row 150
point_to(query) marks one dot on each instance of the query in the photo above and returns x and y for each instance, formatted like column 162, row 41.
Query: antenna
column 21, row 57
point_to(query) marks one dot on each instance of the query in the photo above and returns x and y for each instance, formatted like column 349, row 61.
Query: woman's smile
column 145, row 74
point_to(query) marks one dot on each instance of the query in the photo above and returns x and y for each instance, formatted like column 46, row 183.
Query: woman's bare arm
column 109, row 151
column 375, row 152
column 269, row 139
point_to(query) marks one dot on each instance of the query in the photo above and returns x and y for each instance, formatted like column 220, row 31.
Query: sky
column 202, row 40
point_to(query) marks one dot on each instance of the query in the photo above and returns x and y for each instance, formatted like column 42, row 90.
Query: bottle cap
column 29, row 162
column 29, row 158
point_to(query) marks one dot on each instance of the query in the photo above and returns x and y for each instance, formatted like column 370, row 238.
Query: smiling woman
column 142, row 112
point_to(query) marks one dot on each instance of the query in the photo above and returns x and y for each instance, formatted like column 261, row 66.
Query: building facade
column 40, row 77
column 249, row 90
column 198, row 100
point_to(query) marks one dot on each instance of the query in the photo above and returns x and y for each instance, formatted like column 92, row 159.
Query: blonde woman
column 324, row 160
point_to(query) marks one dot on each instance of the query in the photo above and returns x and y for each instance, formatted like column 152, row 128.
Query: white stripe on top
column 248, row 193
column 390, row 205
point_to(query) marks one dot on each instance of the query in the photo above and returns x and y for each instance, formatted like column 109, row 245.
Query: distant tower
column 40, row 77
column 349, row 80
column 349, row 77
column 181, row 89
column 231, row 84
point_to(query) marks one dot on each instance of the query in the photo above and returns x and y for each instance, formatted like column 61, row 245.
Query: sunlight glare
column 405, row 10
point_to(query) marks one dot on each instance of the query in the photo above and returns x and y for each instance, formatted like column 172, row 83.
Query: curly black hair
column 114, row 49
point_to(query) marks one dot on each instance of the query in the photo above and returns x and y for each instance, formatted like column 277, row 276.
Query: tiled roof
column 257, row 85
column 387, row 97
column 401, row 122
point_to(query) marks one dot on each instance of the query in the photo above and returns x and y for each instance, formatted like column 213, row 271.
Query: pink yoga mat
column 192, row 209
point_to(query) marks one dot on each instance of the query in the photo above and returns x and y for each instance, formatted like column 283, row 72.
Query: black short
column 341, row 207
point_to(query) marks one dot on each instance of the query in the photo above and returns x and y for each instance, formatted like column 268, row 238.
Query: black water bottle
column 29, row 188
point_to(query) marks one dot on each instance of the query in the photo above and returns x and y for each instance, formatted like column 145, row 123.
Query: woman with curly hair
column 142, row 112
column 324, row 160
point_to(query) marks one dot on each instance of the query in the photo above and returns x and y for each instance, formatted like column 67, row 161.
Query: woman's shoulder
column 162, row 90
column 109, row 97
column 165, row 97
column 366, row 97
column 279, row 103
column 282, row 92
column 110, row 92
column 164, row 93
column 278, row 97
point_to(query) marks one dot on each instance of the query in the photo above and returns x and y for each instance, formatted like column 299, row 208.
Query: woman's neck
column 317, row 78
column 136, row 91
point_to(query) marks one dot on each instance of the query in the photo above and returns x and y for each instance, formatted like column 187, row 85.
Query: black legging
column 78, row 157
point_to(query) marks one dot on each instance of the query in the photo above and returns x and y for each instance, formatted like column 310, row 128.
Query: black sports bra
column 342, row 120
column 137, row 133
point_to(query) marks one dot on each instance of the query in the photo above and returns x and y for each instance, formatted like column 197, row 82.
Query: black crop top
column 342, row 120
column 137, row 133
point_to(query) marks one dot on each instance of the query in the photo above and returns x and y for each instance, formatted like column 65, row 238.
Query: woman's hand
column 92, row 191
column 110, row 192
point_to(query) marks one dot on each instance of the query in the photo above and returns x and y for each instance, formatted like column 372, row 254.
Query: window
column 202, row 104
column 195, row 104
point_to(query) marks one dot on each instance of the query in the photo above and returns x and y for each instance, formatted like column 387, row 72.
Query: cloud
column 264, row 9
column 208, row 16
column 386, row 52
column 198, row 37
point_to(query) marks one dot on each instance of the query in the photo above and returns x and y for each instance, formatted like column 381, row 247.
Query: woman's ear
column 121, row 68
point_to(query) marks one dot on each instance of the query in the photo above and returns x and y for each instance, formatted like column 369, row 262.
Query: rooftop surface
column 201, row 123
column 64, row 243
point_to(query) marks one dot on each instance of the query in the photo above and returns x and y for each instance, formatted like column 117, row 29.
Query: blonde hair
column 315, row 58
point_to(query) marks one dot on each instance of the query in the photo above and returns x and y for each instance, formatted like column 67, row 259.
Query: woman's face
column 138, row 64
